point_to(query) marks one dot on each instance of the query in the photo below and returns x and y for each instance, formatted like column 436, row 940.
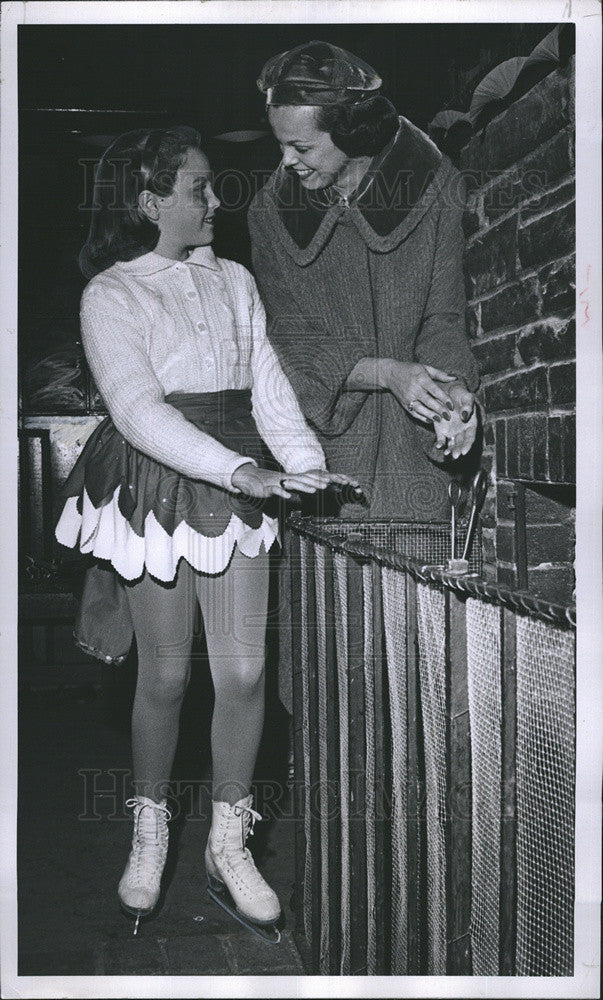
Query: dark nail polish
column 437, row 417
column 446, row 415
column 465, row 416
column 449, row 404
column 352, row 494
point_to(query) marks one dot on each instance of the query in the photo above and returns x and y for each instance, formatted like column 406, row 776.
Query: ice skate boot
column 141, row 881
column 233, row 881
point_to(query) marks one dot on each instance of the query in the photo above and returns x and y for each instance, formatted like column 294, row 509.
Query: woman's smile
column 307, row 150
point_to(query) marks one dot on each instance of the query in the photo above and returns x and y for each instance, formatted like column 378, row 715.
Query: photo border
column 586, row 15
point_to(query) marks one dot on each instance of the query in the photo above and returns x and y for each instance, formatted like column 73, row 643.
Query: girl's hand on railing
column 258, row 482
column 315, row 479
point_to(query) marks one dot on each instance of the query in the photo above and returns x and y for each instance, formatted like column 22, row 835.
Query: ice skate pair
column 233, row 880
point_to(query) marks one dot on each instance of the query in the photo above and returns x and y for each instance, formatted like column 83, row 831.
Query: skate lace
column 249, row 819
column 150, row 840
column 244, row 861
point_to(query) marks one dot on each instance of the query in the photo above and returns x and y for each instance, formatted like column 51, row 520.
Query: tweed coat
column 380, row 277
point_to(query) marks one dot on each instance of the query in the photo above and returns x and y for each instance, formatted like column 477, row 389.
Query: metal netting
column 321, row 650
column 393, row 589
column 485, row 715
column 432, row 674
column 307, row 890
column 514, row 874
column 341, row 640
column 545, row 799
column 428, row 543
column 370, row 769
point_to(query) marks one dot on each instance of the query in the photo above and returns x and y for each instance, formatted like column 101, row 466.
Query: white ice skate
column 233, row 881
column 141, row 881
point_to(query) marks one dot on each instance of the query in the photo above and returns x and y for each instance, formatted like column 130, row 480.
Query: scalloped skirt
column 105, row 533
column 124, row 507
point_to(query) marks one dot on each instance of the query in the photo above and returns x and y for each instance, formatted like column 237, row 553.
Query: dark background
column 81, row 85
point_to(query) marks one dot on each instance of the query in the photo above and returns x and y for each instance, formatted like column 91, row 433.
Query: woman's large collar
column 404, row 184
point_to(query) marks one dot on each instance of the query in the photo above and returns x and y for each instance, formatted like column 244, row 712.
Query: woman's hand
column 417, row 389
column 455, row 437
column 258, row 482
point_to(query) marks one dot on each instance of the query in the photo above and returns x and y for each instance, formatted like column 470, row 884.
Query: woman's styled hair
column 361, row 129
column 141, row 160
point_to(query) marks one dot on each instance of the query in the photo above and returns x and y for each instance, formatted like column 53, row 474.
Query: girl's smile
column 186, row 216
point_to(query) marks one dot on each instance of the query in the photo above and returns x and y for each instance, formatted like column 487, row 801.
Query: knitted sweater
column 152, row 326
column 381, row 277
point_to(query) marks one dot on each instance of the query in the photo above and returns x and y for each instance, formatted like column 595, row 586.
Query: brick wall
column 520, row 267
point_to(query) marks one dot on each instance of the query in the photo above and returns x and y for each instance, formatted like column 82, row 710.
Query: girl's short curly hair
column 361, row 129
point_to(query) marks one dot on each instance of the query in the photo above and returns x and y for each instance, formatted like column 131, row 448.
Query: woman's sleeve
column 316, row 361
column 116, row 352
column 276, row 410
column 442, row 340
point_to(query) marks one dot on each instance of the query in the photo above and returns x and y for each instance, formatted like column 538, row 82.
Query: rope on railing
column 519, row 601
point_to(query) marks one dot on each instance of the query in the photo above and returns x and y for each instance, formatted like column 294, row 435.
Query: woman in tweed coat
column 357, row 250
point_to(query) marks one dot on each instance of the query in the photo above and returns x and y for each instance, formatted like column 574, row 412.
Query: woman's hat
column 317, row 73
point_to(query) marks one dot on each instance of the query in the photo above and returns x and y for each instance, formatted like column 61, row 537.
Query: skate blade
column 217, row 891
column 136, row 915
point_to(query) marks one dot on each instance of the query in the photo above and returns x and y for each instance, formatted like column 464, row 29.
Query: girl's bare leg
column 163, row 617
column 234, row 606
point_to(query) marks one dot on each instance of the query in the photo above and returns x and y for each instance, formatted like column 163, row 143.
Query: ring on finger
column 412, row 404
column 282, row 483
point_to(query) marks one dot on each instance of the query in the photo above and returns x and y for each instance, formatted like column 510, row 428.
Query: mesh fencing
column 432, row 674
column 485, row 714
column 341, row 638
column 518, row 869
column 321, row 650
column 394, row 614
column 428, row 543
column 370, row 769
column 545, row 799
column 307, row 891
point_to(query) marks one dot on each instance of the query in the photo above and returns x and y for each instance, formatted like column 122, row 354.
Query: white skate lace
column 249, row 819
column 149, row 844
column 243, row 863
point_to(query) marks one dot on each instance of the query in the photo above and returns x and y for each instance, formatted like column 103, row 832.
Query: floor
column 74, row 836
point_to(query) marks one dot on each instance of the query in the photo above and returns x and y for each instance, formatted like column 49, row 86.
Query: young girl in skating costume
column 169, row 489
